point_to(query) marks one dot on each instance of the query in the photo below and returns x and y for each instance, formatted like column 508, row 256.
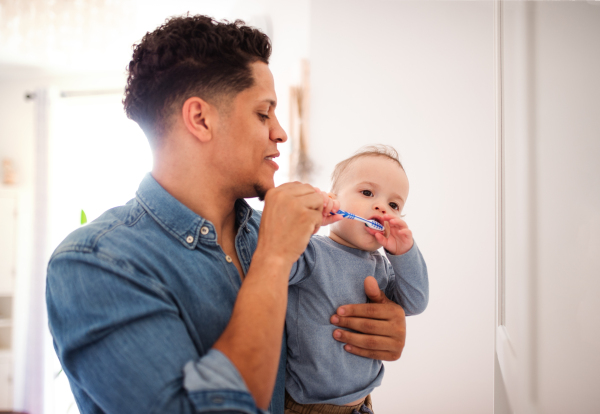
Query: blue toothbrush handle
column 371, row 223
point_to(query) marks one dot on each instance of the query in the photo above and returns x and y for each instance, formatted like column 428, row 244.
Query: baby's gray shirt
column 326, row 276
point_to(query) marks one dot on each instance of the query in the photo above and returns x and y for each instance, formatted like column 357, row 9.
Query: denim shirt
column 137, row 298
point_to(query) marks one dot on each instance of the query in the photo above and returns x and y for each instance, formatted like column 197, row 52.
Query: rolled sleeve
column 214, row 384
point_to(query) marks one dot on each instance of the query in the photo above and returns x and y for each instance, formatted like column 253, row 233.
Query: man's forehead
column 262, row 92
column 264, row 85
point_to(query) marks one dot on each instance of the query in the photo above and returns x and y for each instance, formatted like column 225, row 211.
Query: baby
column 331, row 272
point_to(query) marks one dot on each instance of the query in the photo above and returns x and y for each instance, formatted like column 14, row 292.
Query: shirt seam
column 115, row 268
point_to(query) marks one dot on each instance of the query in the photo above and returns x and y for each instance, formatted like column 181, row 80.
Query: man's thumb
column 372, row 290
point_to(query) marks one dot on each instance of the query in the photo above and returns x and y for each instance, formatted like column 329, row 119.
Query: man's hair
column 379, row 150
column 190, row 56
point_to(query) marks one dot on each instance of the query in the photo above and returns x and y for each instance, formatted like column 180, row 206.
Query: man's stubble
column 261, row 191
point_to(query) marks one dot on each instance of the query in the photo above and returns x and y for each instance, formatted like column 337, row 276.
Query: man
column 175, row 302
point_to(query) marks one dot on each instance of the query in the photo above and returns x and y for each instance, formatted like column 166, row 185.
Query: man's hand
column 291, row 215
column 382, row 323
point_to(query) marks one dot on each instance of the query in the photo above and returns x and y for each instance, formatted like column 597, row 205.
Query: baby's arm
column 410, row 288
column 304, row 266
column 411, row 285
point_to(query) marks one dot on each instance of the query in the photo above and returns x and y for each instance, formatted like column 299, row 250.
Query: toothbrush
column 369, row 223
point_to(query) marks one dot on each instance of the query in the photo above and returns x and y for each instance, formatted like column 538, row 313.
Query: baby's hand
column 330, row 205
column 399, row 240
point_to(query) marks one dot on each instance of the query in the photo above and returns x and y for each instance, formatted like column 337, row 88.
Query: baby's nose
column 380, row 209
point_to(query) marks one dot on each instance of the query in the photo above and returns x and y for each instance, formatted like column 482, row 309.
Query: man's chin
column 261, row 191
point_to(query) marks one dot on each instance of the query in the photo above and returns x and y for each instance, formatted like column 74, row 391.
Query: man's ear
column 198, row 118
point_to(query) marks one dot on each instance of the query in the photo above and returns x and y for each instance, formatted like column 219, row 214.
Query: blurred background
column 493, row 106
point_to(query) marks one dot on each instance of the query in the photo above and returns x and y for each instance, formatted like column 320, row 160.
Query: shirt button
column 204, row 230
column 229, row 259
column 189, row 239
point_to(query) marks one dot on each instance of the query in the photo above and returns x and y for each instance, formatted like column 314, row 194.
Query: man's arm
column 119, row 336
column 252, row 339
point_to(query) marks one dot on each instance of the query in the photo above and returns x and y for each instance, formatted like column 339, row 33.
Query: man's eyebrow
column 270, row 102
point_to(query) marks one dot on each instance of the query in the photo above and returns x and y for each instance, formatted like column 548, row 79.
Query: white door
column 548, row 327
column 6, row 386
column 8, row 221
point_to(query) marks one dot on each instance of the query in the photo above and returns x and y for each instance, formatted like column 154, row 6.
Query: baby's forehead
column 371, row 169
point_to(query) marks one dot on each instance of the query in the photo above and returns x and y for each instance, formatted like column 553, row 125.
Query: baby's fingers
column 405, row 234
column 332, row 206
column 395, row 222
column 381, row 239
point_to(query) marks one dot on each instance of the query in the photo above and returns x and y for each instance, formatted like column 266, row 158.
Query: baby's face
column 370, row 188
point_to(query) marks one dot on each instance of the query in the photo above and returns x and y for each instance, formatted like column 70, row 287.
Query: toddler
column 321, row 376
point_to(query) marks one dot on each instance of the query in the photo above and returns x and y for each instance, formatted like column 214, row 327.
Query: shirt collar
column 178, row 220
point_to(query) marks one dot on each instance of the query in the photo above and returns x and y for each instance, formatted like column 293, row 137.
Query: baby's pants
column 292, row 407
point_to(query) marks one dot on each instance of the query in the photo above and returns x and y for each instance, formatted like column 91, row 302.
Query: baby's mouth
column 377, row 219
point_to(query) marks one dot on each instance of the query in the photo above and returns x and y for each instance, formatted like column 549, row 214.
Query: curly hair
column 378, row 150
column 189, row 56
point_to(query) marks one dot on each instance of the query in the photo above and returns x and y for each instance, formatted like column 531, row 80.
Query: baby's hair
column 378, row 150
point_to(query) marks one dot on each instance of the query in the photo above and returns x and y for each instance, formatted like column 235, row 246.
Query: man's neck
column 207, row 199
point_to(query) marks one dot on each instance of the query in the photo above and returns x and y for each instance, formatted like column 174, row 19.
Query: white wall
column 549, row 358
column 419, row 76
column 17, row 141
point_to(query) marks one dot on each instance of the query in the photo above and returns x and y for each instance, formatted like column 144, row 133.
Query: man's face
column 370, row 187
column 248, row 133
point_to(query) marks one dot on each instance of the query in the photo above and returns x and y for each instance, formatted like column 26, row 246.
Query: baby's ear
column 331, row 195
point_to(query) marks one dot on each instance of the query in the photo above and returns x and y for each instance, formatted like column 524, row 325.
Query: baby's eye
column 367, row 193
column 395, row 206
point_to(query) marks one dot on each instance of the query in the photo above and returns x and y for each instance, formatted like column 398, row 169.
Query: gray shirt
column 325, row 277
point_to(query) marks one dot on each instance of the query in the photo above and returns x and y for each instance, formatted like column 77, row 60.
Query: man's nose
column 277, row 133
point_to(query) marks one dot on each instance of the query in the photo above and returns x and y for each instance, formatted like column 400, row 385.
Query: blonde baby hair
column 377, row 150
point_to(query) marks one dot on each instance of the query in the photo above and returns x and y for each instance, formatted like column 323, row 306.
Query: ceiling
column 83, row 35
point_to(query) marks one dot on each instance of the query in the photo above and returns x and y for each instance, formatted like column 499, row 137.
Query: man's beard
column 261, row 191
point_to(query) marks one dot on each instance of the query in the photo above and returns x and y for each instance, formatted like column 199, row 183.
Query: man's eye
column 367, row 193
column 394, row 206
column 263, row 117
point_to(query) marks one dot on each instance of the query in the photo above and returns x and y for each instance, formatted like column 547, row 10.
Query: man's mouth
column 272, row 156
column 271, row 162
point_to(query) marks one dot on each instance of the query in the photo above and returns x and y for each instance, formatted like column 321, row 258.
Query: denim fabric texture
column 137, row 298
column 327, row 276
